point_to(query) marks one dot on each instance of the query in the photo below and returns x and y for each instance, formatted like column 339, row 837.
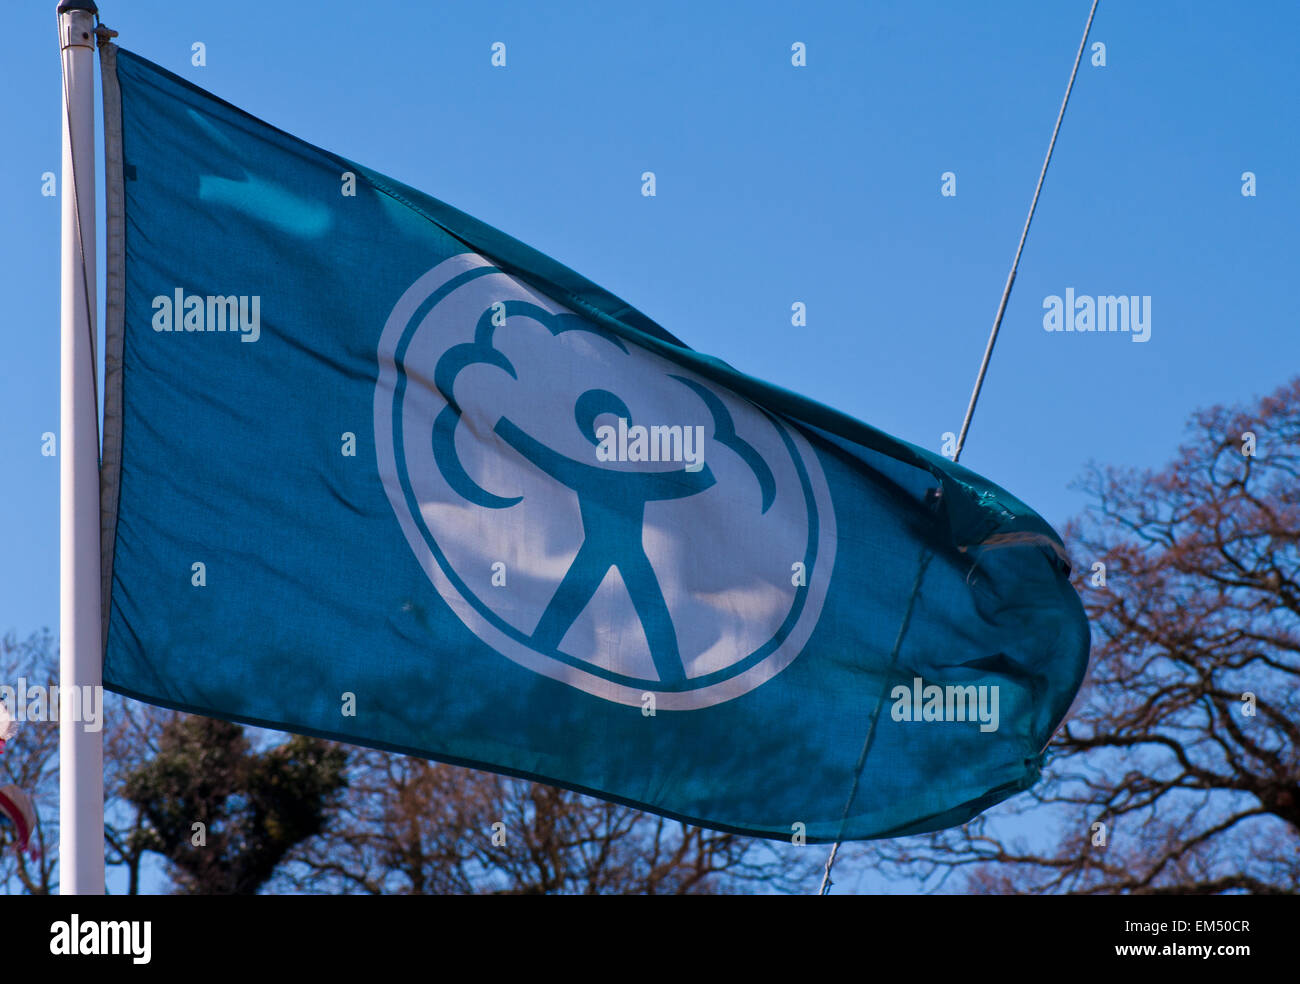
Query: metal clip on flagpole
column 81, row 752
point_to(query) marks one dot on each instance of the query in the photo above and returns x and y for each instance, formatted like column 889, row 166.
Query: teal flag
column 377, row 472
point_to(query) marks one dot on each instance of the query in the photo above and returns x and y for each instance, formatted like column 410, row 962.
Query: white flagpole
column 81, row 752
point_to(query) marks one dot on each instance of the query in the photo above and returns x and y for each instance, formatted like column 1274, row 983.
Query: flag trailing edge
column 411, row 514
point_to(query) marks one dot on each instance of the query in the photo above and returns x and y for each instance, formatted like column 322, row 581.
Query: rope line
column 81, row 236
column 875, row 717
column 1024, row 234
column 965, row 427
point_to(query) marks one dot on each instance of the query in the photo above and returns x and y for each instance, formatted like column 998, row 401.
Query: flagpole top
column 76, row 22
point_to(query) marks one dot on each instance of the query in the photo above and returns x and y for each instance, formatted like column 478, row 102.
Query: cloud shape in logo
column 623, row 576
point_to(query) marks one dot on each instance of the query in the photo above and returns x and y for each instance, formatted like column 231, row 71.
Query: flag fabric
column 377, row 472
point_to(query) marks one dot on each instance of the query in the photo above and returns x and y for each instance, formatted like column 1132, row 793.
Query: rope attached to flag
column 965, row 425
column 1024, row 234
column 87, row 276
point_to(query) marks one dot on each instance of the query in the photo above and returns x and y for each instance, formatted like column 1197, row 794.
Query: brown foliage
column 416, row 827
column 1185, row 739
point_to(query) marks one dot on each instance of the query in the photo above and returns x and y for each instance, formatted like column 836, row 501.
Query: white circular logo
column 590, row 510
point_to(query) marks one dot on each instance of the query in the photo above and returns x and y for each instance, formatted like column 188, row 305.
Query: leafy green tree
column 225, row 815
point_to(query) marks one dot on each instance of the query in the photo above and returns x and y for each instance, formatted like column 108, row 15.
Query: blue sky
column 775, row 184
